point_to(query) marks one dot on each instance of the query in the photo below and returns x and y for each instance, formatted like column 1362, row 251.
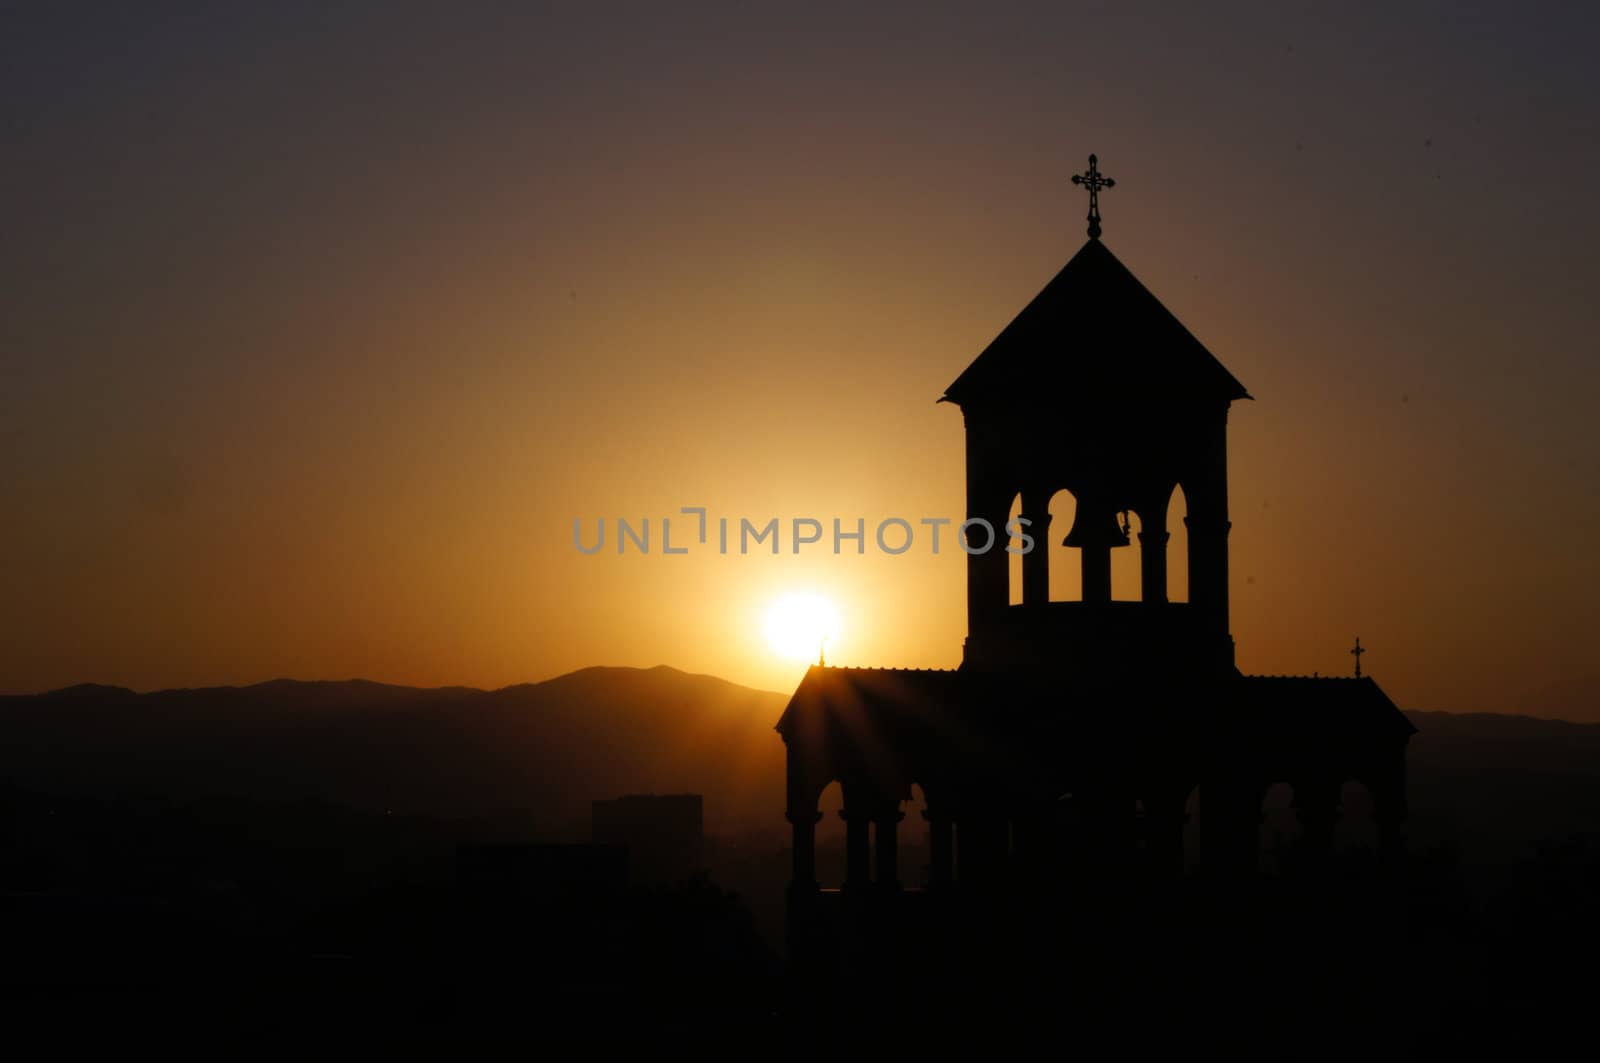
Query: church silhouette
column 1070, row 741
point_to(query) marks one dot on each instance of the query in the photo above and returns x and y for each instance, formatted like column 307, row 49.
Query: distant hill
column 547, row 748
column 1497, row 784
column 1492, row 784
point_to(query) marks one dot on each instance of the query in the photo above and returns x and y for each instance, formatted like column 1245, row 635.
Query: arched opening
column 913, row 839
column 1279, row 831
column 1066, row 562
column 830, row 837
column 1355, row 829
column 1178, row 547
column 1126, row 581
column 1014, row 561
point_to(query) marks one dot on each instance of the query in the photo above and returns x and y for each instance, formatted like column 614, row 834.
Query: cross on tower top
column 1357, row 652
column 1094, row 181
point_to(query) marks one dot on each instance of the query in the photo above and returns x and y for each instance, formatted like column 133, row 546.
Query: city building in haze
column 664, row 834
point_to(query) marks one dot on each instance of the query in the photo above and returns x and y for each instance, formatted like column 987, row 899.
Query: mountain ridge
column 547, row 749
column 286, row 682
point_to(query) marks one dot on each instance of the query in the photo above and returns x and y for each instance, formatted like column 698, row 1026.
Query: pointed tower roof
column 1095, row 327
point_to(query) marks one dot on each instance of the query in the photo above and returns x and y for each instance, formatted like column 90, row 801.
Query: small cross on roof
column 1094, row 181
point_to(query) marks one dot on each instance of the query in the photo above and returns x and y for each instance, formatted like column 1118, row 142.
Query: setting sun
column 797, row 624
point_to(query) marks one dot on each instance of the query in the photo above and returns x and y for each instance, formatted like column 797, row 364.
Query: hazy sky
column 322, row 323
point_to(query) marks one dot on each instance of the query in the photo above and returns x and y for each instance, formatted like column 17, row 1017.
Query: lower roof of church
column 1303, row 706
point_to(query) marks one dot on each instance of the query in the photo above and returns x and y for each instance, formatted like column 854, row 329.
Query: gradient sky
column 322, row 322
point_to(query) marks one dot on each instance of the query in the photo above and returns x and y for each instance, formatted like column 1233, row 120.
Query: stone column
column 1030, row 848
column 1208, row 567
column 1391, row 836
column 1230, row 828
column 983, row 849
column 1388, row 790
column 1153, row 564
column 1316, row 805
column 941, row 849
column 1163, row 833
column 1206, row 490
column 857, row 851
column 989, row 496
column 887, row 822
column 804, row 827
column 1036, row 563
column 801, row 912
column 1096, row 572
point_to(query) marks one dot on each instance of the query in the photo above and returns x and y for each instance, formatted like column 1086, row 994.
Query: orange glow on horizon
column 322, row 399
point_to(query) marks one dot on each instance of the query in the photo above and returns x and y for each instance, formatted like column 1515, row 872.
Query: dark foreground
column 1348, row 960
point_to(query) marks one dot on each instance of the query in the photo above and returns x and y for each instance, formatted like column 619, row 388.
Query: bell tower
column 1096, row 389
column 1078, row 737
